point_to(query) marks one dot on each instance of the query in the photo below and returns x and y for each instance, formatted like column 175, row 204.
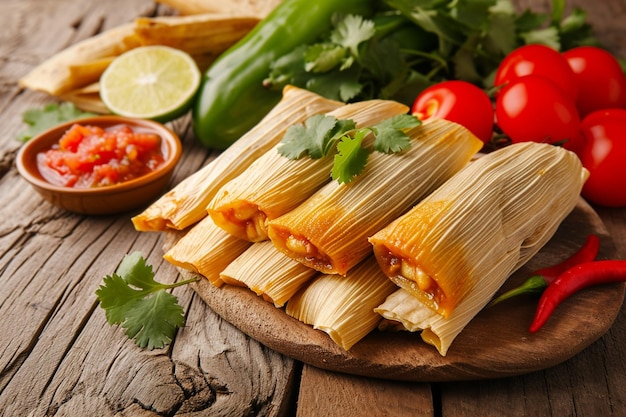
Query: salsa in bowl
column 101, row 164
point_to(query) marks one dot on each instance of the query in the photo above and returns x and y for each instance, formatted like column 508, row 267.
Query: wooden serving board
column 496, row 343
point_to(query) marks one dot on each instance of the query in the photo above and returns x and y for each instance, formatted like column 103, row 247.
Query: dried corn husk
column 273, row 184
column 206, row 250
column 87, row 98
column 343, row 306
column 259, row 8
column 204, row 37
column 268, row 273
column 329, row 231
column 471, row 234
column 82, row 63
column 186, row 203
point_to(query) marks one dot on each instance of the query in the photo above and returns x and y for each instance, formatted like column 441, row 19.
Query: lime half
column 150, row 82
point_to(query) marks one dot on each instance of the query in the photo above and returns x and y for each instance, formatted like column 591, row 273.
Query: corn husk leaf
column 186, row 203
column 274, row 184
column 268, row 273
column 87, row 98
column 204, row 37
column 206, row 249
column 329, row 231
column 259, row 8
column 472, row 233
column 343, row 306
column 82, row 63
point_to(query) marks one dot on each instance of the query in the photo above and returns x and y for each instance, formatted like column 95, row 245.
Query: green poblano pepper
column 232, row 99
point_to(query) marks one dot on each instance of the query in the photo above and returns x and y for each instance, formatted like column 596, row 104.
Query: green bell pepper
column 232, row 99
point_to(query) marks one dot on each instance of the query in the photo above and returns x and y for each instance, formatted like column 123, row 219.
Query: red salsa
column 90, row 156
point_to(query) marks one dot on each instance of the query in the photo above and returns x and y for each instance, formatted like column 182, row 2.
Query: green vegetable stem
column 542, row 278
column 232, row 98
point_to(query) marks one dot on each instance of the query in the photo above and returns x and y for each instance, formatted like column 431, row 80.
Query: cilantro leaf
column 323, row 57
column 336, row 85
column 133, row 299
column 390, row 137
column 153, row 321
column 315, row 138
column 351, row 157
column 39, row 120
column 320, row 135
column 351, row 31
column 116, row 298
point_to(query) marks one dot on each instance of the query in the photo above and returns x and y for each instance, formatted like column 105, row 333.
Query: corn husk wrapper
column 329, row 231
column 82, row 63
column 87, row 99
column 203, row 36
column 343, row 306
column 471, row 234
column 206, row 250
column 267, row 272
column 68, row 73
column 186, row 203
column 274, row 185
column 260, row 8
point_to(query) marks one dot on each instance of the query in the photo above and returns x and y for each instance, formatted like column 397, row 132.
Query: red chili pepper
column 574, row 279
column 540, row 279
column 586, row 253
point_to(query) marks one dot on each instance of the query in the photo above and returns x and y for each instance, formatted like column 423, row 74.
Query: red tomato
column 603, row 154
column 457, row 101
column 533, row 109
column 538, row 60
column 601, row 81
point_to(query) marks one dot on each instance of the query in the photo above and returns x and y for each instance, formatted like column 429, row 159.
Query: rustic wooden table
column 58, row 356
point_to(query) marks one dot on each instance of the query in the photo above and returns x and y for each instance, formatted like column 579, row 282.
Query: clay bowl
column 108, row 199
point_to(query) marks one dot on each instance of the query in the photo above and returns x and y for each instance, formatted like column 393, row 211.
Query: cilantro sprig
column 322, row 135
column 133, row 299
column 38, row 120
column 407, row 45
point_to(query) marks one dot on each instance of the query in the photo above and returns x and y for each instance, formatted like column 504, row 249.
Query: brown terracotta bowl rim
column 26, row 157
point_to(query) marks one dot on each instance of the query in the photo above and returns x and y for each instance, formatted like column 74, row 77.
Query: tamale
column 203, row 36
column 87, row 99
column 207, row 250
column 268, row 273
column 329, row 231
column 453, row 250
column 259, row 8
column 186, row 203
column 82, row 63
column 343, row 306
column 274, row 184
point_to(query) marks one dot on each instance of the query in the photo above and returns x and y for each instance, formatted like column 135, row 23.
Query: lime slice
column 150, row 82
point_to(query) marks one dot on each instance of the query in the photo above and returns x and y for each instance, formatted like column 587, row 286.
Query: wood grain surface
column 59, row 357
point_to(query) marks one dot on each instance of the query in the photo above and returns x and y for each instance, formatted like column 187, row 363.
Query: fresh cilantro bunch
column 133, row 299
column 321, row 135
column 41, row 119
column 409, row 44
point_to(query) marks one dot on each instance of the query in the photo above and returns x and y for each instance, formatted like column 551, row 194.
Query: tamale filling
column 303, row 250
column 245, row 221
column 412, row 278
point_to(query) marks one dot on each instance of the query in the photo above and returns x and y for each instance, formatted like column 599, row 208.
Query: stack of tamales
column 424, row 237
